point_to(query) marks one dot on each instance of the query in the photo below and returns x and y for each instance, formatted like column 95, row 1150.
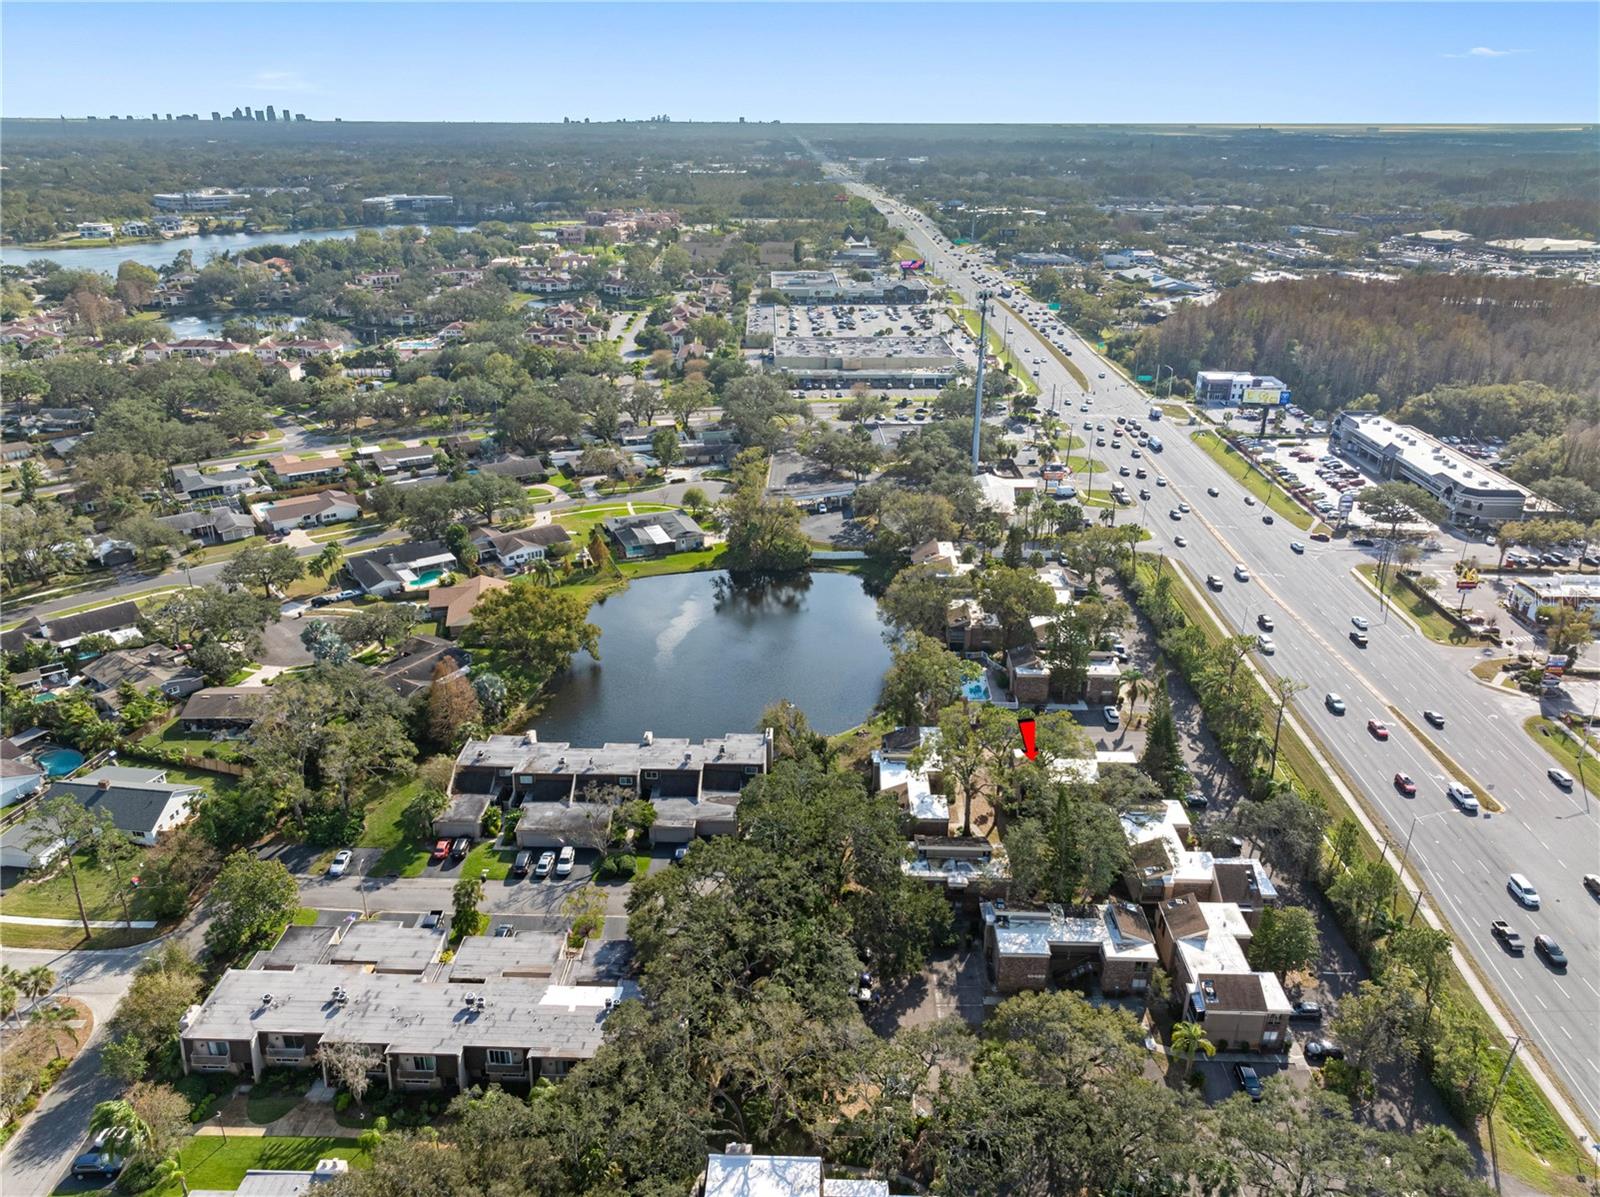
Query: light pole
column 977, row 399
column 1406, row 851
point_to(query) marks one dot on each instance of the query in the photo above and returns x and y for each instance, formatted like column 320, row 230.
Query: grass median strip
column 1433, row 623
column 1487, row 800
column 1252, row 479
column 1559, row 742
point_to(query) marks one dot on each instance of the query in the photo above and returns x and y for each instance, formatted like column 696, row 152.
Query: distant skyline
column 1363, row 63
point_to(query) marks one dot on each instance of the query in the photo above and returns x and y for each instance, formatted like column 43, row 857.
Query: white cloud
column 280, row 81
column 1484, row 52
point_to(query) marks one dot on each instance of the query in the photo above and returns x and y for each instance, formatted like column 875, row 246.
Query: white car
column 565, row 861
column 1265, row 644
column 1241, row 573
column 1160, row 481
column 1360, row 622
column 341, row 862
column 1113, row 718
column 1561, row 777
column 1462, row 797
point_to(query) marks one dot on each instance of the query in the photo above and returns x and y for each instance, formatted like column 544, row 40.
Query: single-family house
column 396, row 568
column 390, row 461
column 141, row 801
column 153, row 667
column 308, row 511
column 739, row 1172
column 916, row 786
column 297, row 471
column 452, row 606
column 15, row 450
column 519, row 547
column 222, row 709
column 193, row 484
column 120, row 621
column 416, row 662
column 654, row 534
column 217, row 525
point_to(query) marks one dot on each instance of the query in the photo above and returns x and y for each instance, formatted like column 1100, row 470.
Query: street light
column 1405, row 852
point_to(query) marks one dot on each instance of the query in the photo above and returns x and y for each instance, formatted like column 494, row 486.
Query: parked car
column 433, row 919
column 459, row 849
column 97, row 1163
column 1248, row 1081
column 678, row 853
column 546, row 862
column 523, row 862
column 1195, row 800
column 565, row 861
column 505, row 931
column 1306, row 1011
column 1320, row 1051
column 341, row 862
column 441, row 849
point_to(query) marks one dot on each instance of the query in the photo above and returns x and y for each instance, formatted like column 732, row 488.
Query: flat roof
column 1116, row 930
column 525, row 954
column 1427, row 455
column 406, row 1013
column 921, row 801
column 763, row 1176
column 527, row 754
column 932, row 346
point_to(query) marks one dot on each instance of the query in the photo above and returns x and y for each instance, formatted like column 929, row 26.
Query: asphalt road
column 1548, row 834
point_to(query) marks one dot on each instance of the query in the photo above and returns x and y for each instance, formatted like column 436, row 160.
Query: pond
column 696, row 655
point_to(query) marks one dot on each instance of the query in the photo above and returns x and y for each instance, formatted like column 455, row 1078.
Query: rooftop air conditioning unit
column 266, row 999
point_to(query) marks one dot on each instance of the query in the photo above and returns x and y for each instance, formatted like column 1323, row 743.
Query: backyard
column 215, row 1162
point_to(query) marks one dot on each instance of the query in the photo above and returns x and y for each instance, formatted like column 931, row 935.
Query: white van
column 1522, row 890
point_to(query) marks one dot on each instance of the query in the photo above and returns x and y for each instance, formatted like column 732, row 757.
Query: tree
column 464, row 917
column 263, row 566
column 923, row 678
column 531, row 632
column 36, row 982
column 1188, row 1040
column 489, row 496
column 665, row 447
column 350, row 1065
column 59, row 824
column 324, row 642
column 166, row 983
column 585, row 911
column 429, row 803
column 1287, row 829
column 1376, row 1026
column 534, row 418
column 763, row 533
column 379, row 623
column 1014, row 597
column 327, row 562
column 1567, row 630
column 41, row 540
column 452, row 706
column 919, row 598
column 124, row 1130
column 1286, row 941
column 1163, row 755
column 249, row 903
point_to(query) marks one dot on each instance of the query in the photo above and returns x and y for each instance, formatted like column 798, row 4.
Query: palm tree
column 1188, row 1040
column 10, row 999
column 327, row 562
column 169, row 1170
column 129, row 1132
column 36, row 982
column 56, row 1018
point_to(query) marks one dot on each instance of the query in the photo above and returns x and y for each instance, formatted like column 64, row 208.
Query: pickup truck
column 1502, row 931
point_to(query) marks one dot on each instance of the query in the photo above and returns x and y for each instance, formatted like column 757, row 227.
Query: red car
column 440, row 851
column 1378, row 730
column 1403, row 783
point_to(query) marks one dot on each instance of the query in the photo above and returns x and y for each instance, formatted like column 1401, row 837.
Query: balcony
column 199, row 1062
column 292, row 1057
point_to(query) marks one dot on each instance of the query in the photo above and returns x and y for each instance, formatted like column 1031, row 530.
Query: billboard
column 1264, row 397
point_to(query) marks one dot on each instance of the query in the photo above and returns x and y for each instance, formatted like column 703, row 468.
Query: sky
column 824, row 62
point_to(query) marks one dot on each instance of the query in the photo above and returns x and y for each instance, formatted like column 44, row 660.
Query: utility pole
column 1504, row 1073
column 977, row 402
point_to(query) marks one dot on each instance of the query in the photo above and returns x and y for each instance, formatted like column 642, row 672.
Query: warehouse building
column 1470, row 491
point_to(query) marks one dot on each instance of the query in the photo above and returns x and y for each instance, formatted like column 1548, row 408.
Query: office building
column 836, row 286
column 1470, row 491
column 207, row 199
column 1228, row 388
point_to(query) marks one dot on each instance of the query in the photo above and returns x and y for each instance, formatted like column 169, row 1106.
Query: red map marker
column 1030, row 744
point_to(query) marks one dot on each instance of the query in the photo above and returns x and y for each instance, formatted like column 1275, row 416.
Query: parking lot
column 860, row 320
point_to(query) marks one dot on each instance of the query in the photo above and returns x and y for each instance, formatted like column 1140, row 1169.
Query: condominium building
column 206, row 199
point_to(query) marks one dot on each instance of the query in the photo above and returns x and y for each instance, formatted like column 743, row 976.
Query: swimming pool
column 977, row 690
column 428, row 578
column 58, row 762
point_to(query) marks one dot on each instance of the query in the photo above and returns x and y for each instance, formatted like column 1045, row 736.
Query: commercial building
column 1229, row 388
column 1581, row 591
column 376, row 204
column 207, row 199
column 1546, row 247
column 889, row 362
column 1470, row 491
column 836, row 286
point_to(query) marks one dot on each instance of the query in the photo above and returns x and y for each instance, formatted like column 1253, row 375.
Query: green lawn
column 579, row 522
column 214, row 1162
column 673, row 563
column 172, row 736
column 1252, row 479
column 488, row 856
column 1560, row 743
column 51, row 896
column 1434, row 625
column 402, row 856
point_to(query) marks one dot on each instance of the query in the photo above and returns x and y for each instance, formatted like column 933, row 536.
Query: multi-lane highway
column 1546, row 833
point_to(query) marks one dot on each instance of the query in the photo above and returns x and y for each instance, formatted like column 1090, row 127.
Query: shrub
column 341, row 1103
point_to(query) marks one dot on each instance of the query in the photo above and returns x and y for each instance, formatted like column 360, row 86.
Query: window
column 625, row 781
column 501, row 1057
column 651, row 774
column 420, row 1063
column 215, row 1047
column 294, row 1042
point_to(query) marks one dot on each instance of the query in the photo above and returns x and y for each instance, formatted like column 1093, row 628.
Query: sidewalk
column 98, row 924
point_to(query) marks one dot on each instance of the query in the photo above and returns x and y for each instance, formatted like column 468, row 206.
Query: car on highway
column 1213, row 582
column 1334, row 703
column 1266, row 518
column 1321, row 537
column 341, row 862
column 1174, row 514
column 1183, row 507
column 1404, row 783
column 1546, row 946
column 1507, row 935
column 1240, row 573
column 1213, row 491
column 1296, row 547
column 1266, row 645
column 1522, row 890
column 1179, row 541
column 1433, row 718
column 1123, row 471
column 1359, row 621
column 1462, row 797
column 1264, row 622
column 1591, row 882
column 1560, row 776
column 546, row 862
column 1249, row 500
column 1248, row 1081
column 1378, row 728
column 1144, row 494
column 1320, row 1051
column 1161, row 480
column 1102, row 374
column 1359, row 639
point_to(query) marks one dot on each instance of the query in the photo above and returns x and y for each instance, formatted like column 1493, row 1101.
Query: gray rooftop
column 405, row 1013
column 528, row 954
column 1035, row 932
column 525, row 754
